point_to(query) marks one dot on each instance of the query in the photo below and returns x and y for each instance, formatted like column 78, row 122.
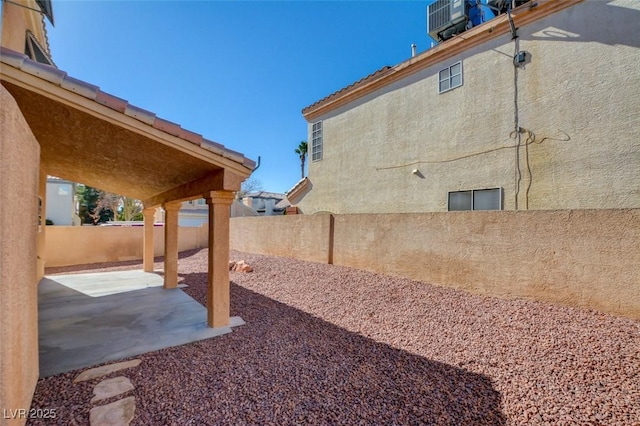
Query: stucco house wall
column 17, row 19
column 577, row 107
column 19, row 174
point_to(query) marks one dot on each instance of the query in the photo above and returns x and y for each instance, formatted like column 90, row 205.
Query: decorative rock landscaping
column 325, row 344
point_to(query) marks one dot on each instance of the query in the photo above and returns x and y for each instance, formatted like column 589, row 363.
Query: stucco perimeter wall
column 20, row 159
column 585, row 258
column 79, row 245
column 304, row 237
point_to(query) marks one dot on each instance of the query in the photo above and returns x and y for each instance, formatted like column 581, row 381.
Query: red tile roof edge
column 368, row 79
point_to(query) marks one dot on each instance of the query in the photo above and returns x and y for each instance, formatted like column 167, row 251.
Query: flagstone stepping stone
column 117, row 413
column 94, row 373
column 111, row 387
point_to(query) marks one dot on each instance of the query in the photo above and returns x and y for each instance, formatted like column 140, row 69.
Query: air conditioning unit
column 446, row 18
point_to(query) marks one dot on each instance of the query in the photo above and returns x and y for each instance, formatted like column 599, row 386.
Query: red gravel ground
column 325, row 344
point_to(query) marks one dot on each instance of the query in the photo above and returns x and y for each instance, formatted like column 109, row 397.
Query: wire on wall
column 516, row 126
column 530, row 140
column 517, row 133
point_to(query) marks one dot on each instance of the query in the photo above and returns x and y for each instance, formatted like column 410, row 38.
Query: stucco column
column 171, row 244
column 218, row 277
column 42, row 219
column 147, row 248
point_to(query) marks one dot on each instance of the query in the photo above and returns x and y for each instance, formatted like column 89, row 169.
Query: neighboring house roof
column 363, row 81
column 133, row 152
column 194, row 211
column 240, row 210
column 282, row 204
column 46, row 37
column 522, row 15
column 237, row 209
column 264, row 194
column 299, row 189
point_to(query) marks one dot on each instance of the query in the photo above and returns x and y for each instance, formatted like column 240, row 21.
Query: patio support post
column 147, row 248
column 218, row 275
column 171, row 244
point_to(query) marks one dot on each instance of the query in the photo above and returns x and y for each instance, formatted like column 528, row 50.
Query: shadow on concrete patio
column 87, row 319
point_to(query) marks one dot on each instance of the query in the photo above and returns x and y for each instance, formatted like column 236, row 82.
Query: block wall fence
column 79, row 245
column 582, row 258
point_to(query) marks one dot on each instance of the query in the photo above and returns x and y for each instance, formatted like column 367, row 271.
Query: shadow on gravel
column 286, row 366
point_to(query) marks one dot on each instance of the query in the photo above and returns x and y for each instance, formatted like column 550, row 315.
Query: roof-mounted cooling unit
column 446, row 18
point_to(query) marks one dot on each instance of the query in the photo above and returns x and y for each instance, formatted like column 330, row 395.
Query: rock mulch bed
column 325, row 344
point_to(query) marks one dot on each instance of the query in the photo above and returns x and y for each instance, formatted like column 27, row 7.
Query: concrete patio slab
column 98, row 284
column 89, row 319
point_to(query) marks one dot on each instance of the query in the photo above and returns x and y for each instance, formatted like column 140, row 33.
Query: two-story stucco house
column 536, row 110
column 61, row 202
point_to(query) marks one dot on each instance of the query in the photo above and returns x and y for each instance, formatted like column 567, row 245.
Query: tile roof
column 265, row 194
column 46, row 38
column 365, row 80
column 194, row 211
column 60, row 78
column 282, row 204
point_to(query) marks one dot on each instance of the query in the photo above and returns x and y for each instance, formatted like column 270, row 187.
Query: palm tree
column 301, row 150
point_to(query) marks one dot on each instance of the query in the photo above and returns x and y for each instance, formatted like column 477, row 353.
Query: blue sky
column 237, row 72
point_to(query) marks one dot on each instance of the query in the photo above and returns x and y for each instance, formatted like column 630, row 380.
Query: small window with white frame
column 316, row 141
column 450, row 77
column 475, row 199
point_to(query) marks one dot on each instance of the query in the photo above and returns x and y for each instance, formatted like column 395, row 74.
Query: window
column 477, row 199
column 451, row 77
column 316, row 141
column 33, row 50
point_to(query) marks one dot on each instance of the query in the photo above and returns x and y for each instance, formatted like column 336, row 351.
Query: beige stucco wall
column 20, row 159
column 302, row 237
column 79, row 245
column 584, row 258
column 578, row 95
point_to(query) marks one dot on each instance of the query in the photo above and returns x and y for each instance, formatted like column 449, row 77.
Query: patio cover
column 89, row 136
